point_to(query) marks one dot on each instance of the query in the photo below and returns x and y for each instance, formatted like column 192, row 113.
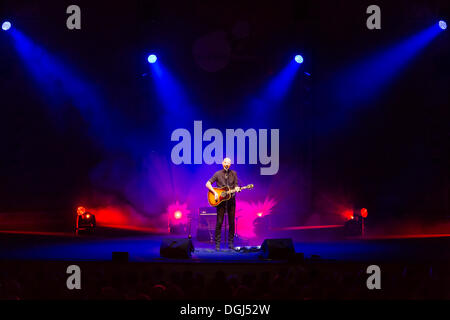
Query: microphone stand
column 226, row 210
column 191, row 245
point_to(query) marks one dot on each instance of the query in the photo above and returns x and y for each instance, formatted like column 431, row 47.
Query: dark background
column 389, row 155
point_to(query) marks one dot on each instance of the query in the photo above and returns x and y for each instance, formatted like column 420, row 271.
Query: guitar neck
column 234, row 190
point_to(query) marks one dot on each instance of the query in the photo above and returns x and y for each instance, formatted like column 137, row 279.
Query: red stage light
column 178, row 214
column 348, row 214
column 364, row 212
column 81, row 210
column 88, row 216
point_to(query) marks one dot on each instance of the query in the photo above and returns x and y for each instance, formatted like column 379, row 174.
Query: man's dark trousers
column 230, row 207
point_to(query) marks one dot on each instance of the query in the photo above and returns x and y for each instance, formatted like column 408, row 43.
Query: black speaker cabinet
column 176, row 248
column 120, row 256
column 278, row 249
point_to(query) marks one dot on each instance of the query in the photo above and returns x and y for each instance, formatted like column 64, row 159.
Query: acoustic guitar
column 225, row 193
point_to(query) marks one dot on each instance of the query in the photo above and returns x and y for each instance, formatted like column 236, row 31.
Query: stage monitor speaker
column 120, row 256
column 176, row 248
column 278, row 249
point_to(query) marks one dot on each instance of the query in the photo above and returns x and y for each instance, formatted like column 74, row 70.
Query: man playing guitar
column 225, row 178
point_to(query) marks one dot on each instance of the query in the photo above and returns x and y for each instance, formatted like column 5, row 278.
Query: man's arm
column 210, row 188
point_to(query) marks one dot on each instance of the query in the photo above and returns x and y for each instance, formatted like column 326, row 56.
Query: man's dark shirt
column 221, row 178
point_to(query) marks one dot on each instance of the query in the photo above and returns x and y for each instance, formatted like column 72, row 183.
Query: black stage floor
column 144, row 247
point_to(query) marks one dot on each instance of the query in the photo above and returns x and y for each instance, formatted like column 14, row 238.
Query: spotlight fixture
column 353, row 227
column 298, row 58
column 85, row 220
column 81, row 210
column 442, row 24
column 262, row 225
column 152, row 58
column 6, row 25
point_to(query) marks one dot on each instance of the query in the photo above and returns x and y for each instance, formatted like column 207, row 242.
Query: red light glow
column 348, row 214
column 126, row 218
column 364, row 212
column 81, row 210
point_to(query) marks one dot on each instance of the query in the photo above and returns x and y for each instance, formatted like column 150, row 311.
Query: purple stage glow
column 247, row 212
column 177, row 213
column 155, row 188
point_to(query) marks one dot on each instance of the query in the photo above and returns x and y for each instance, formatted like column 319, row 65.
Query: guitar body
column 223, row 196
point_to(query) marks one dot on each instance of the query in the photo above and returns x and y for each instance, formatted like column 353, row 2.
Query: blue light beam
column 365, row 80
column 62, row 87
column 56, row 80
column 171, row 94
column 281, row 83
column 264, row 105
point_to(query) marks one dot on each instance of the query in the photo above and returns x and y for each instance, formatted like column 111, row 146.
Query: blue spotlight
column 442, row 25
column 298, row 58
column 364, row 80
column 6, row 25
column 152, row 58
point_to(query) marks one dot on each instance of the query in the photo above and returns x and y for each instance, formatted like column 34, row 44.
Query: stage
column 35, row 264
column 143, row 247
column 312, row 131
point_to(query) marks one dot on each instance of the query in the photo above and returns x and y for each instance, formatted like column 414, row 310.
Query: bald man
column 223, row 178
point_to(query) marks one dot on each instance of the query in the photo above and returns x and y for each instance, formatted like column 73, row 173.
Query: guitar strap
column 226, row 179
